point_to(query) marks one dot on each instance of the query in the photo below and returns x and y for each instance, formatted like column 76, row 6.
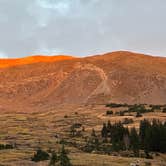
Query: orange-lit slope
column 118, row 77
column 31, row 59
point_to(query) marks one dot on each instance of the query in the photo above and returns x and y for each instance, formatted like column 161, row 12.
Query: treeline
column 139, row 108
column 150, row 137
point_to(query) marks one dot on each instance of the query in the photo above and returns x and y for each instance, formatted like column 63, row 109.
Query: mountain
column 31, row 59
column 41, row 82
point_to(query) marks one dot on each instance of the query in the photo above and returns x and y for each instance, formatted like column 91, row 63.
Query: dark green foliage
column 74, row 129
column 138, row 108
column 115, row 105
column 92, row 144
column 108, row 128
column 121, row 113
column 134, row 141
column 63, row 141
column 40, row 155
column 164, row 110
column 54, row 159
column 116, row 133
column 155, row 107
column 66, row 116
column 127, row 121
column 6, row 146
column 104, row 131
column 138, row 114
column 153, row 136
column 63, row 157
column 93, row 134
column 109, row 112
column 77, row 125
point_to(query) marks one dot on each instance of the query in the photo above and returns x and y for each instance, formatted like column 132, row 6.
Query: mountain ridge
column 121, row 77
column 32, row 59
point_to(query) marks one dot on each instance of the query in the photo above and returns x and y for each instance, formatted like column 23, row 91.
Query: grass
column 28, row 131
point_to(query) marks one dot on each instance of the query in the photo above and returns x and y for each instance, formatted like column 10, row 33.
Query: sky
column 81, row 27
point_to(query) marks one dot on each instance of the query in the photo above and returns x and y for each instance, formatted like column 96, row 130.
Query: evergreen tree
column 144, row 125
column 134, row 140
column 53, row 159
column 64, row 159
column 93, row 134
column 104, row 131
column 163, row 138
column 109, row 126
column 117, row 135
column 72, row 131
column 155, row 135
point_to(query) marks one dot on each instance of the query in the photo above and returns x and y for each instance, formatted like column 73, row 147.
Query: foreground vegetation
column 88, row 134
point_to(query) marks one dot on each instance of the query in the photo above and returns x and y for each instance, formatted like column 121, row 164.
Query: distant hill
column 41, row 82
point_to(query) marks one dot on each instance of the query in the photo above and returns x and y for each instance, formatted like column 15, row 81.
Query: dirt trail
column 103, row 87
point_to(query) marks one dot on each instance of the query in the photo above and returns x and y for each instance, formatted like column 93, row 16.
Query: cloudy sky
column 81, row 27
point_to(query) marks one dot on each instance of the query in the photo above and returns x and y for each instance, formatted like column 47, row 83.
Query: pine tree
column 144, row 125
column 53, row 159
column 104, row 131
column 109, row 126
column 155, row 137
column 64, row 159
column 134, row 140
column 163, row 138
column 93, row 134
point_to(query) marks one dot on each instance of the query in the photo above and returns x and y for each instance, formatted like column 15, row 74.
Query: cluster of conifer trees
column 62, row 159
column 151, row 136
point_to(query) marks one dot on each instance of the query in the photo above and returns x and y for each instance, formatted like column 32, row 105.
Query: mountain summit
column 39, row 82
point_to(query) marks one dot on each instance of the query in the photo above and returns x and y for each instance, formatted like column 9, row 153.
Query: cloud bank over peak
column 81, row 27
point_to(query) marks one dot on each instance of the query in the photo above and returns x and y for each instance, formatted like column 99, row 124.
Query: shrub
column 40, row 155
column 156, row 107
column 115, row 105
column 53, row 159
column 138, row 115
column 139, row 108
column 164, row 110
column 76, row 125
column 127, row 121
column 65, row 116
column 109, row 112
column 6, row 146
column 121, row 113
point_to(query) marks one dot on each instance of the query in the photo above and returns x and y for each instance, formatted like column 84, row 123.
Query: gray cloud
column 81, row 27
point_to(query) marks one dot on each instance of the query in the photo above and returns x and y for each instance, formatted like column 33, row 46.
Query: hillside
column 40, row 83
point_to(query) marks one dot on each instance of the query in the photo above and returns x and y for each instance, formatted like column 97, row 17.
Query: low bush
column 138, row 114
column 164, row 110
column 127, row 121
column 40, row 155
column 115, row 105
column 109, row 112
column 6, row 146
